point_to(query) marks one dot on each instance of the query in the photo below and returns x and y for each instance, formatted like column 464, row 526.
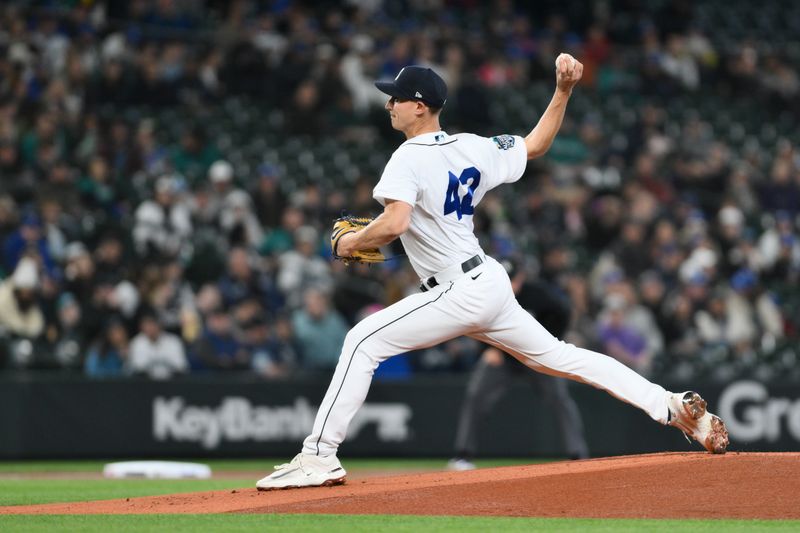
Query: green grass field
column 18, row 489
column 348, row 523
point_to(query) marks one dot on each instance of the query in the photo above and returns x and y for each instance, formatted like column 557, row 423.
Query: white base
column 156, row 469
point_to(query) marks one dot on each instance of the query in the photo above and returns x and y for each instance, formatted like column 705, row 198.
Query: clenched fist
column 568, row 72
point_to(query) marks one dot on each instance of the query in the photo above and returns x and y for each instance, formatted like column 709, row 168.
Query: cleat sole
column 717, row 441
column 334, row 482
column 694, row 405
column 326, row 483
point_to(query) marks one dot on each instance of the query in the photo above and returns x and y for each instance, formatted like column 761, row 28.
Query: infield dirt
column 668, row 485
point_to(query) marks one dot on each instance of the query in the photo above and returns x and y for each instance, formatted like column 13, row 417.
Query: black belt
column 466, row 266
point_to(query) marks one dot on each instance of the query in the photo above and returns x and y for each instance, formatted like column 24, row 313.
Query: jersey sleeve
column 508, row 156
column 398, row 182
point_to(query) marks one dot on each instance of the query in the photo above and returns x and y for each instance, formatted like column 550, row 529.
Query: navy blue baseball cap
column 416, row 83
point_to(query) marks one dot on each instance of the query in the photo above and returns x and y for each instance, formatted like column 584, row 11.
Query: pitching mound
column 672, row 485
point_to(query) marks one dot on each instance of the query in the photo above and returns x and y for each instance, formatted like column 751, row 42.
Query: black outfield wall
column 44, row 417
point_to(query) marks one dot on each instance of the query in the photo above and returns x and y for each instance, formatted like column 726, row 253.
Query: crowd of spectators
column 134, row 246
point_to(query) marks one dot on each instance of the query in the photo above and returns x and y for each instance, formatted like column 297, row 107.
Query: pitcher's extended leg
column 522, row 336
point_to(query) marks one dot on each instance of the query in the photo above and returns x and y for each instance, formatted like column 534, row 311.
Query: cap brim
column 388, row 87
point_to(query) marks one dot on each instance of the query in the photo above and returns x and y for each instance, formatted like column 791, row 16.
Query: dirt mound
column 673, row 485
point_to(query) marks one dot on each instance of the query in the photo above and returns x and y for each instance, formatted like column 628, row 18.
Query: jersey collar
column 431, row 138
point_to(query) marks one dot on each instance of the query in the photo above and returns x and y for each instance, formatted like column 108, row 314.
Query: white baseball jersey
column 444, row 177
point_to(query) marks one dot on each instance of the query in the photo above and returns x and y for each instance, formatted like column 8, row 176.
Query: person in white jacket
column 20, row 314
column 156, row 353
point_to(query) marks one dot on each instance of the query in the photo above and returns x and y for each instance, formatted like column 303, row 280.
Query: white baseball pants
column 481, row 305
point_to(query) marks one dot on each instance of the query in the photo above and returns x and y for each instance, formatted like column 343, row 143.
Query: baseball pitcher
column 429, row 189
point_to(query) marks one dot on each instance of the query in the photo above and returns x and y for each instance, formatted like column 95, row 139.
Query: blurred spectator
column 320, row 331
column 315, row 203
column 639, row 316
column 10, row 161
column 755, row 320
column 110, row 257
column 715, row 324
column 54, row 224
column 304, row 115
column 301, row 267
column 155, row 353
column 357, row 67
column 280, row 354
column 59, row 182
column 729, row 233
column 269, row 201
column 782, row 192
column 679, row 63
column 79, row 272
column 628, row 248
column 70, row 345
column 281, row 239
column 622, row 341
column 46, row 137
column 652, row 295
column 8, row 219
column 162, row 224
column 603, row 220
column 108, row 357
column 745, row 254
column 244, row 279
column 111, row 85
column 118, row 149
column 237, row 221
column 220, row 175
column 20, row 313
column 97, row 191
column 218, row 347
column 194, row 155
column 779, row 247
column 209, row 297
column 152, row 86
column 780, row 81
column 150, row 155
column 170, row 296
column 28, row 238
column 270, row 356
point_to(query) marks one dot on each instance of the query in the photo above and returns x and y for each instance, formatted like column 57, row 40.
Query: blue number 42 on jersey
column 461, row 206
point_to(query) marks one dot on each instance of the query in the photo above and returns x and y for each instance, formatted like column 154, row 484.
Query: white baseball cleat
column 305, row 471
column 459, row 465
column 687, row 412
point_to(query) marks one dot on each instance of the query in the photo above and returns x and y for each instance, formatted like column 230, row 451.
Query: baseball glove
column 351, row 224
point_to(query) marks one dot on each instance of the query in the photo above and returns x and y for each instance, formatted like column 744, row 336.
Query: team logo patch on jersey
column 504, row 142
